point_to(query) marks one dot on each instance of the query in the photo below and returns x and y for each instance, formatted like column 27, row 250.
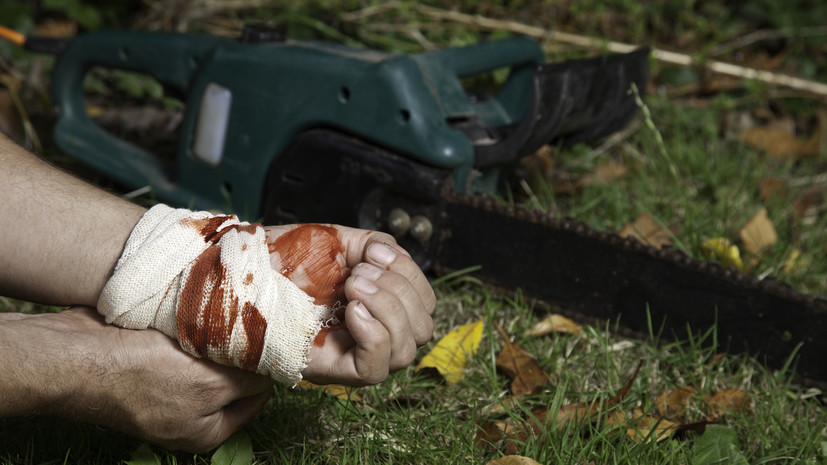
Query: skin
column 59, row 242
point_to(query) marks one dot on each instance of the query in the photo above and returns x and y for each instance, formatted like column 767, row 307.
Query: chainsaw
column 306, row 131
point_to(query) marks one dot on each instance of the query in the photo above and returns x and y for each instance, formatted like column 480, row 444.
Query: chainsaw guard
column 571, row 102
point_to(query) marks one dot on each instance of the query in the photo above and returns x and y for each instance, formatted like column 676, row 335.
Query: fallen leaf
column 795, row 262
column 781, row 143
column 540, row 161
column 719, row 248
column 525, row 373
column 489, row 433
column 513, row 433
column 513, row 460
column 336, row 390
column 648, row 231
column 808, row 201
column 759, row 233
column 672, row 403
column 577, row 412
column 554, row 323
column 727, row 401
column 604, row 173
column 453, row 351
column 650, row 427
column 616, row 419
column 772, row 187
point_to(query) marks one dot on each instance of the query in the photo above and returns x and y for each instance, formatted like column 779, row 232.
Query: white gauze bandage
column 207, row 282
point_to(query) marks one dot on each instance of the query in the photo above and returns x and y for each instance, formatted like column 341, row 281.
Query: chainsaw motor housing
column 246, row 102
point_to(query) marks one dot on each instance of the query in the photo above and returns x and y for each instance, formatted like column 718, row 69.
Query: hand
column 138, row 382
column 388, row 300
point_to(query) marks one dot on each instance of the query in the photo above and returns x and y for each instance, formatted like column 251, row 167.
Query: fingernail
column 382, row 253
column 364, row 285
column 361, row 311
column 368, row 271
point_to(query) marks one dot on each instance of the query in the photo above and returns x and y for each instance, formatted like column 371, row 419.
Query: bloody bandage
column 207, row 281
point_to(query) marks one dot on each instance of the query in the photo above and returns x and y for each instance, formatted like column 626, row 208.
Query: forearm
column 60, row 237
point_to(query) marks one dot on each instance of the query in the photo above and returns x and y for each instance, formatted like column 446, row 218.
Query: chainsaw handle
column 488, row 56
column 170, row 58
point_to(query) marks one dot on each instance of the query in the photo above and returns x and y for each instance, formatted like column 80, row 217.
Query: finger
column 359, row 247
column 370, row 359
column 419, row 320
column 228, row 420
column 389, row 256
column 356, row 242
column 390, row 312
column 238, row 413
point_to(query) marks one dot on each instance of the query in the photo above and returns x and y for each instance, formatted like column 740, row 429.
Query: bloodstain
column 201, row 320
column 207, row 313
column 322, row 335
column 310, row 258
column 208, row 227
column 248, row 279
column 256, row 328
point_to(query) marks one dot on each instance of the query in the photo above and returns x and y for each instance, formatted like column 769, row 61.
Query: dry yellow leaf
column 605, row 173
column 781, row 143
column 452, row 352
column 649, row 427
column 554, row 323
column 726, row 401
column 335, row 390
column 795, row 262
column 648, row 231
column 541, row 161
column 616, row 418
column 673, row 402
column 719, row 248
column 759, row 233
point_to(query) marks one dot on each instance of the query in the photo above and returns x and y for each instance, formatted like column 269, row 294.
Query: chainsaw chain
column 732, row 275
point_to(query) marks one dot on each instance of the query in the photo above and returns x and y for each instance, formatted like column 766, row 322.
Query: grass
column 696, row 177
column 415, row 418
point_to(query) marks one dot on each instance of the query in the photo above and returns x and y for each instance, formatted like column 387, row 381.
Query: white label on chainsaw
column 211, row 127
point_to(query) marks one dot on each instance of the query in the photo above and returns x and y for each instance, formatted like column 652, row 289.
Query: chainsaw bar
column 603, row 276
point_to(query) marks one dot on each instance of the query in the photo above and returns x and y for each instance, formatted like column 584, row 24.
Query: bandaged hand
column 388, row 309
column 331, row 303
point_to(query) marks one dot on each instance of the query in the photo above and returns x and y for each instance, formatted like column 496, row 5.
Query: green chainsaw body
column 408, row 104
